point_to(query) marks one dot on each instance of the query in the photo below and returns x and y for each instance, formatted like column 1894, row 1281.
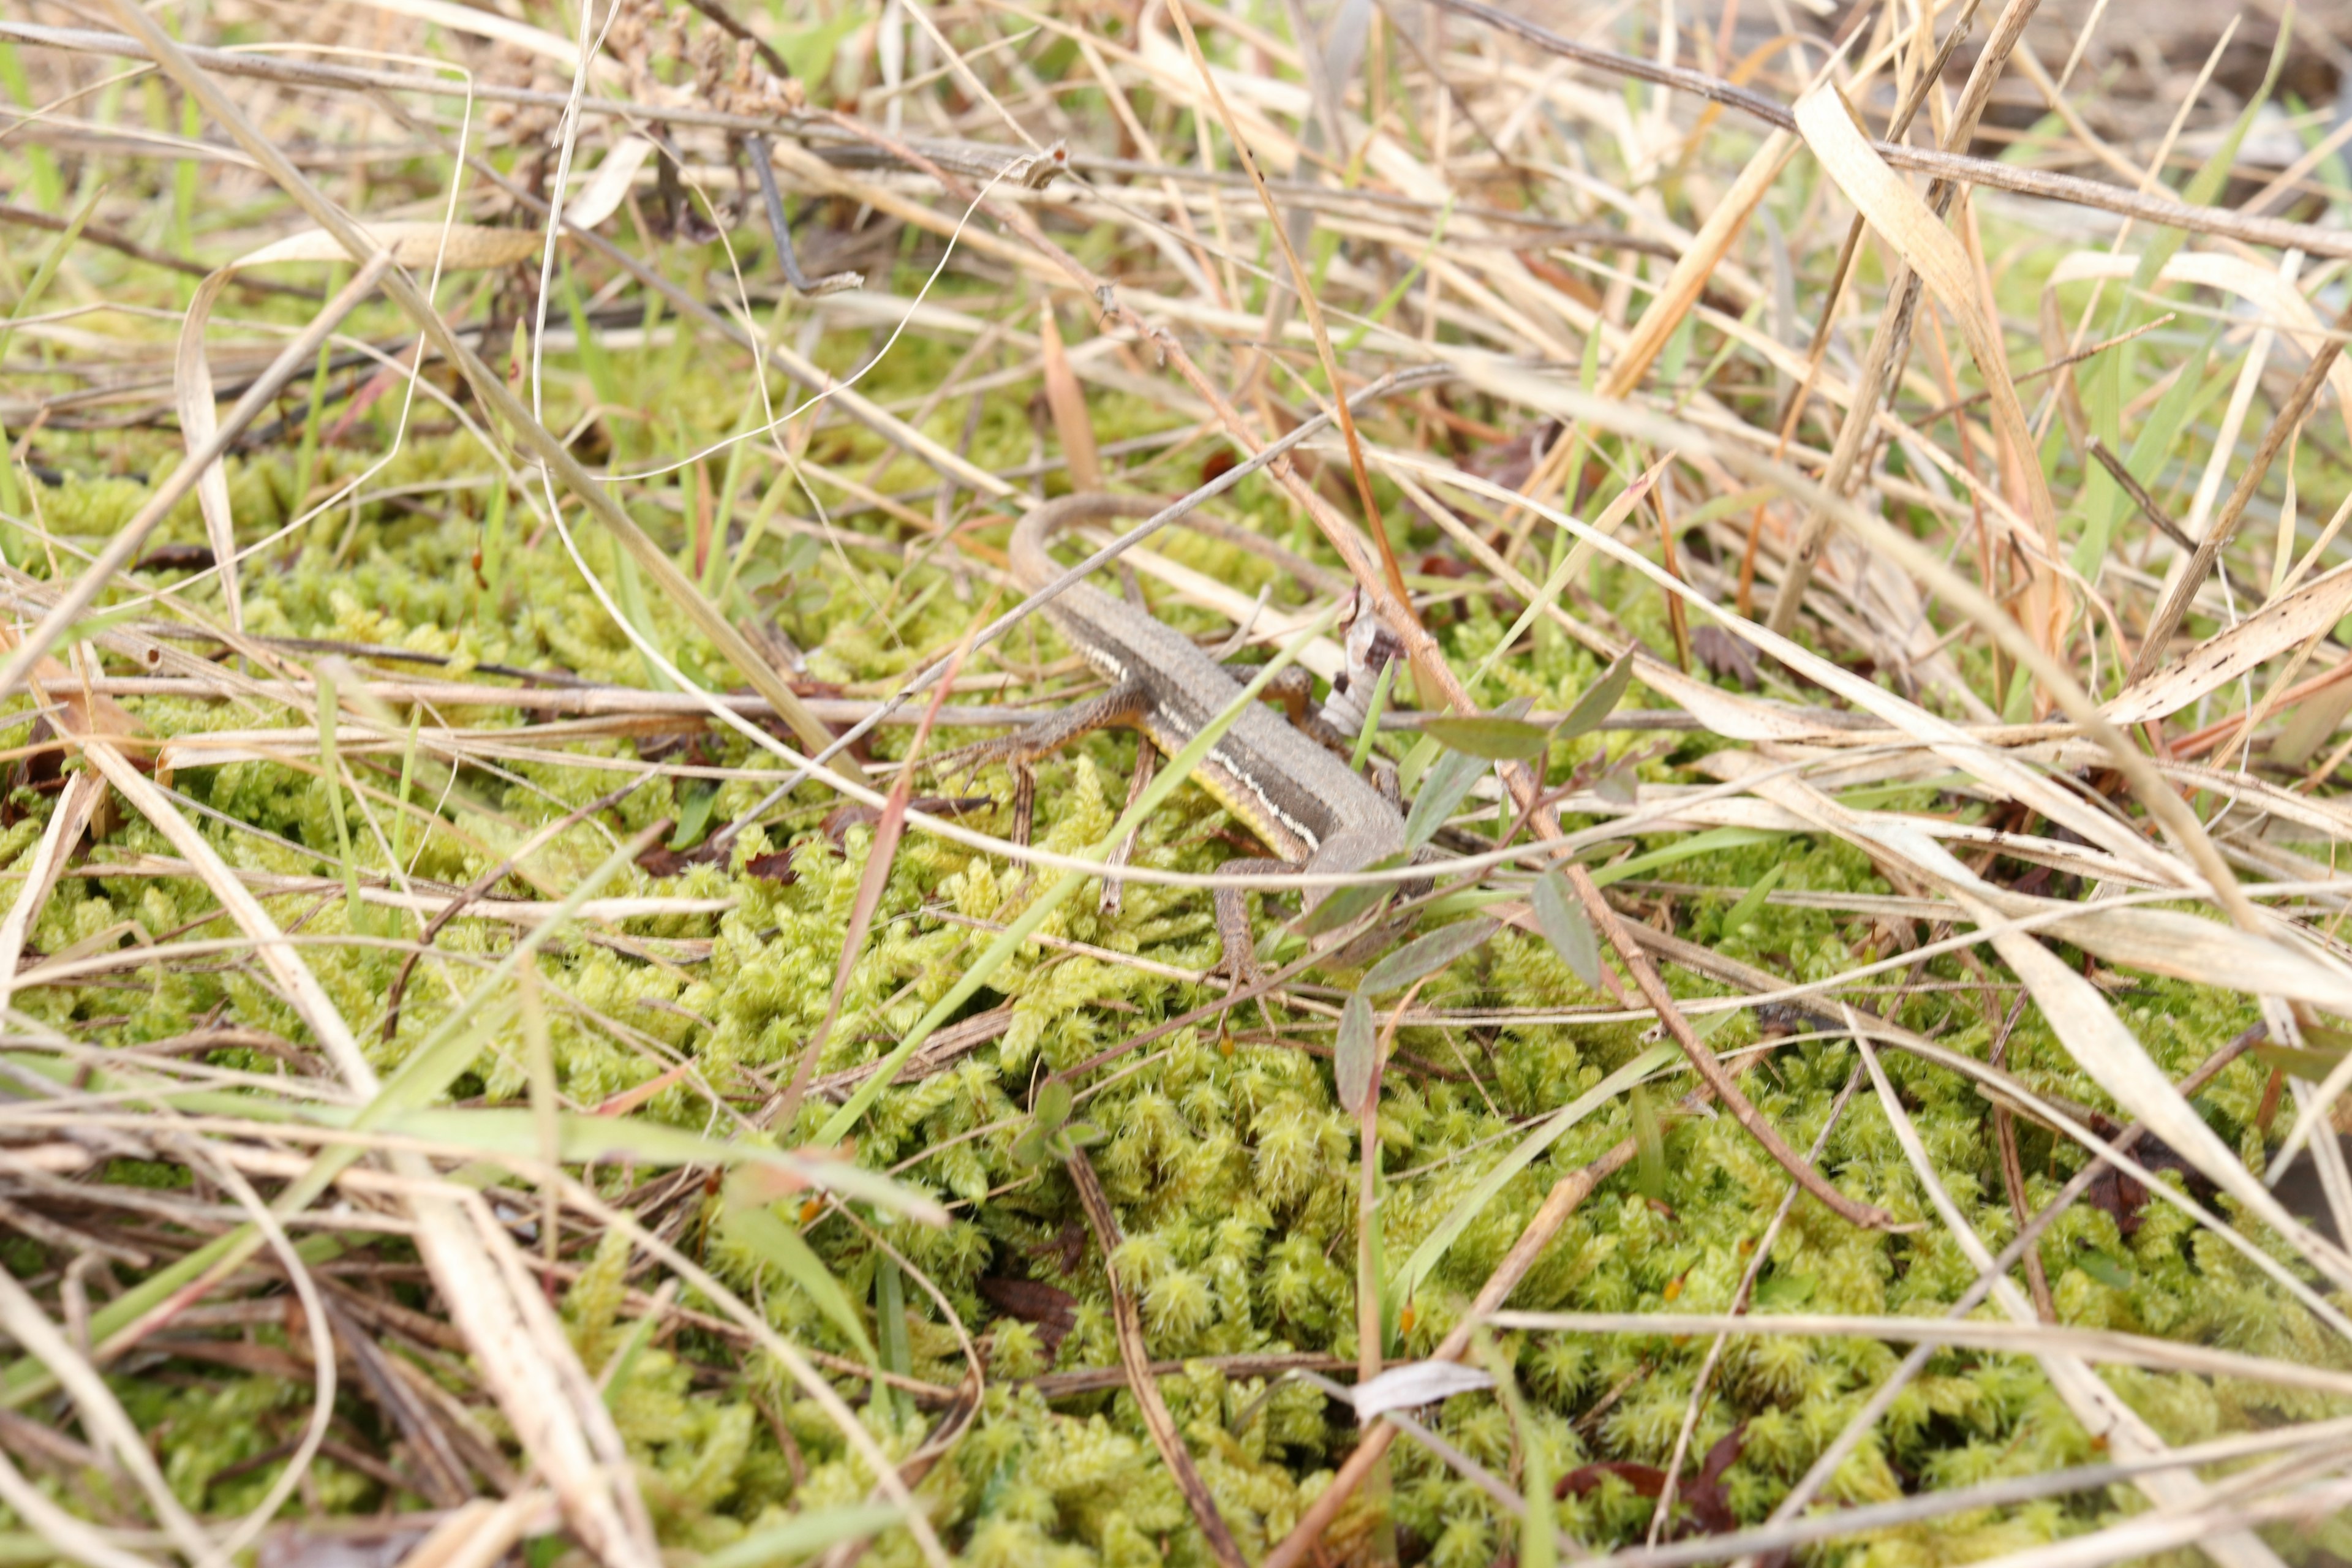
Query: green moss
column 1231, row 1163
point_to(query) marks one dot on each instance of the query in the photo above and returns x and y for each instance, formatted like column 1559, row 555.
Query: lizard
column 1309, row 807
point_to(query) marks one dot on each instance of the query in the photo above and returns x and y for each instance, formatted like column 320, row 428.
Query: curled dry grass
column 1974, row 516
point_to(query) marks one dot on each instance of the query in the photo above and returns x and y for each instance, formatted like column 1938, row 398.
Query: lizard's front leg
column 1293, row 686
column 1122, row 705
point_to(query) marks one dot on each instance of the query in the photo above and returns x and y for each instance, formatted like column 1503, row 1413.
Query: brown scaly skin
column 1303, row 802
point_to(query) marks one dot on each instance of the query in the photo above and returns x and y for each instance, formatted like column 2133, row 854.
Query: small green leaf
column 757, row 1230
column 1751, row 902
column 801, row 551
column 1416, row 763
column 1599, row 699
column 1712, row 841
column 2105, row 1268
column 809, row 51
column 2311, row 1067
column 1621, row 785
column 1566, row 928
column 695, row 803
column 1082, row 1135
column 759, row 574
column 1030, row 1149
column 1494, row 739
column 1352, row 1058
column 1650, row 1146
column 1450, row 778
column 805, row 1534
column 1052, row 1106
column 1426, row 956
column 1373, row 711
column 2322, row 1037
column 1344, row 904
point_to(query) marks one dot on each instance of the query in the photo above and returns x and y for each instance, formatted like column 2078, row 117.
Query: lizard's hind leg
column 1122, row 704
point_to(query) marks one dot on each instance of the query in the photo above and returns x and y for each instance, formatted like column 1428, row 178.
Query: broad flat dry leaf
column 1067, row 400
column 609, row 186
column 2223, row 657
column 1905, row 221
column 1413, row 1384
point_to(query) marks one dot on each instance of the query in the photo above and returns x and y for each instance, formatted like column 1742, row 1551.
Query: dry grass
column 1942, row 420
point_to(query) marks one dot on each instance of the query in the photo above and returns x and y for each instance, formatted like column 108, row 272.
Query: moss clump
column 1230, row 1161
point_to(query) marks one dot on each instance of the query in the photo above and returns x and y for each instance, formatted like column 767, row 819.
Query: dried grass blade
column 2107, row 1346
column 1313, row 309
column 1067, row 400
column 2243, row 647
column 2160, row 941
column 1907, row 223
column 490, row 387
column 67, row 819
column 1180, row 767
column 1991, row 766
column 2279, row 304
column 1709, row 1067
column 2102, row 1411
column 72, row 1538
column 522, row 1354
column 2100, row 1043
column 411, row 244
column 1441, row 1238
column 477, row 1534
column 536, row 1378
column 102, row 1416
column 202, row 458
column 881, row 852
column 1685, row 285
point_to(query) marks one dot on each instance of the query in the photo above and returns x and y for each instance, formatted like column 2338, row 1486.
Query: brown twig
column 113, row 239
column 1127, row 1318
column 2042, row 372
column 2013, row 1168
column 479, row 889
column 736, row 29
column 2175, row 608
column 2149, row 506
column 1605, row 918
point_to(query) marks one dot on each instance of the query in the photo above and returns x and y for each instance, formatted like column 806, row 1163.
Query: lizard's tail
column 1034, row 565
